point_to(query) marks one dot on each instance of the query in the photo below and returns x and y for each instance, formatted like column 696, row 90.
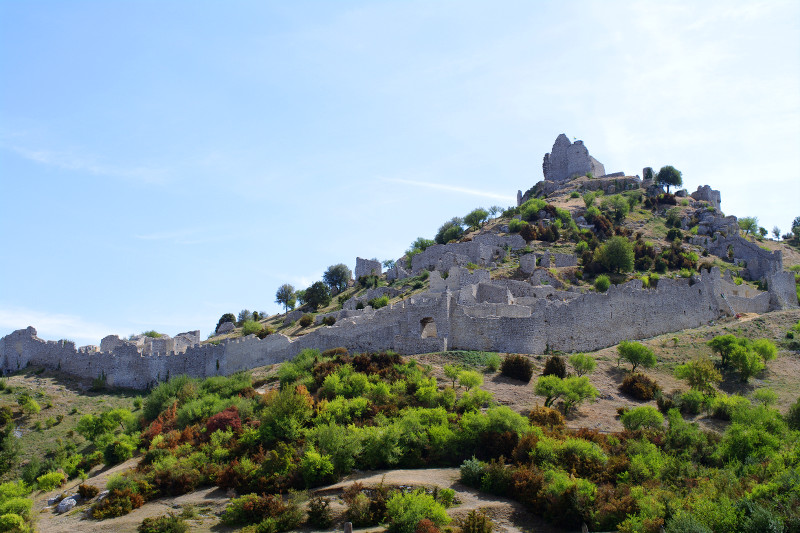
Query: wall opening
column 428, row 327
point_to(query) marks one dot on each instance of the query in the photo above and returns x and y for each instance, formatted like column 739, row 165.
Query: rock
column 226, row 327
column 102, row 496
column 66, row 505
column 706, row 194
column 683, row 193
column 54, row 500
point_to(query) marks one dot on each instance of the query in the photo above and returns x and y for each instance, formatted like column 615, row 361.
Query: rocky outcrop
column 705, row 193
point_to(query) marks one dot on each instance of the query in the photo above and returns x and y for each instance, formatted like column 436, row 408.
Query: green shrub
column 446, row 497
column 18, row 506
column 516, row 366
column 602, row 283
column 329, row 320
column 306, row 320
column 406, row 510
column 317, row 468
column 377, row 303
column 119, row 450
column 637, row 354
column 472, row 471
column 49, row 481
column 493, row 362
column 13, row 523
column 582, row 363
column 168, row 523
column 319, row 512
column 642, row 417
column 724, row 407
column 691, row 402
column 250, row 327
column 478, row 521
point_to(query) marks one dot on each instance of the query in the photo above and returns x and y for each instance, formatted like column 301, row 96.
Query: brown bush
column 528, row 482
column 306, row 320
column 87, row 491
column 639, row 386
column 492, row 444
column 555, row 366
column 517, row 367
column 334, row 352
column 612, row 505
column 522, row 452
column 545, row 416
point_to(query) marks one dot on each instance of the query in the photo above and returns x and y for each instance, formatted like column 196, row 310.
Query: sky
column 165, row 162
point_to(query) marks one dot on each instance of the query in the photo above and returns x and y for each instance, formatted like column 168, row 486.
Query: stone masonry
column 367, row 267
column 568, row 160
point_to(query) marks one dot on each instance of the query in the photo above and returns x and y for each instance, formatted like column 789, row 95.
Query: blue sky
column 162, row 163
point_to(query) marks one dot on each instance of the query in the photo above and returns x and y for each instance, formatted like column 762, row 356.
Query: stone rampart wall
column 511, row 318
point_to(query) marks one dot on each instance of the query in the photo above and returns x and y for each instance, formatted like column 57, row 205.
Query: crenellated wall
column 468, row 311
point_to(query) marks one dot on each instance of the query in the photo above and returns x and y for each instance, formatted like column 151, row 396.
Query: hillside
column 409, row 378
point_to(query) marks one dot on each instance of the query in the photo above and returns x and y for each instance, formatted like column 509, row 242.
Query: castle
column 463, row 309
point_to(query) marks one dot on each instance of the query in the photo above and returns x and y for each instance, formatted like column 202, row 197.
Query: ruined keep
column 568, row 160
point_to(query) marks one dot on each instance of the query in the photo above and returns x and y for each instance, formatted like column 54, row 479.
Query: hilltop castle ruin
column 463, row 308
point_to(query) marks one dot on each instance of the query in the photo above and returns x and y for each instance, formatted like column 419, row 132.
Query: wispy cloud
column 72, row 160
column 52, row 326
column 451, row 188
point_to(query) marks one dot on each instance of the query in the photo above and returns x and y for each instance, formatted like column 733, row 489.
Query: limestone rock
column 66, row 505
column 706, row 194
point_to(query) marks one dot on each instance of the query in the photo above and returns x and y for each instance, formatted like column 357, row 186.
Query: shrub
column 49, row 481
column 317, row 468
column 119, row 450
column 636, row 354
column 515, row 224
column 725, row 407
column 476, row 521
column 380, row 301
column 493, row 362
column 13, row 522
column 168, row 523
column 545, row 416
column 87, row 492
column 319, row 512
column 642, row 417
column 250, row 327
column 602, row 283
column 119, row 502
column 700, row 374
column 691, row 402
column 639, row 386
column 306, row 320
column 516, row 366
column 471, row 471
column 406, row 510
column 227, row 419
column 793, row 416
column 555, row 366
column 329, row 320
column 17, row 505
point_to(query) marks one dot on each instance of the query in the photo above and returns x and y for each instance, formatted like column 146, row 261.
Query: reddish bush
column 612, row 505
column 527, row 484
column 163, row 422
column 88, row 491
column 522, row 452
column 545, row 416
column 229, row 418
column 426, row 526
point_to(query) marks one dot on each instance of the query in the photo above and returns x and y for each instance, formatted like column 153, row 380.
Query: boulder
column 66, row 505
column 225, row 327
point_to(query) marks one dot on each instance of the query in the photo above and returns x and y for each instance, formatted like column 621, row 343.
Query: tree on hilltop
column 669, row 176
column 337, row 277
column 476, row 217
column 318, row 295
column 286, row 296
column 749, row 225
column 450, row 231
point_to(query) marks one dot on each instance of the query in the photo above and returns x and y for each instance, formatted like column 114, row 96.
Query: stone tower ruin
column 568, row 160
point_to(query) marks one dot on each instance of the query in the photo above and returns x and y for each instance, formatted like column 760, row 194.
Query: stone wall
column 568, row 160
column 367, row 267
column 758, row 263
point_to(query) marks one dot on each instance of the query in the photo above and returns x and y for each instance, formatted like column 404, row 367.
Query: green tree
column 317, row 295
column 617, row 206
column 451, row 372
column 669, row 176
column 776, row 232
column 9, row 448
column 244, row 316
column 616, row 254
column 469, row 379
column 749, row 225
column 450, row 230
column 746, row 361
column 337, row 277
column 227, row 317
column 286, row 296
column 494, row 210
column 476, row 217
column 420, row 245
column 572, row 391
column 724, row 346
column 636, row 354
column 700, row 374
column 582, row 363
